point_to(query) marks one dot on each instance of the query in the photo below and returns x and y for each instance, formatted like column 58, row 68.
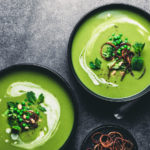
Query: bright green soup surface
column 92, row 34
column 57, row 122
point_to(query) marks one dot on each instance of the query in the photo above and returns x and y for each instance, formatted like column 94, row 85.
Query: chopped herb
column 92, row 65
column 16, row 129
column 138, row 48
column 40, row 99
column 96, row 65
column 31, row 97
column 41, row 108
column 11, row 104
column 21, row 117
column 119, row 53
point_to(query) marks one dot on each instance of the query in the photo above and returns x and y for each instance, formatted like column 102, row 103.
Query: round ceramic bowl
column 105, row 129
column 76, row 67
column 40, row 77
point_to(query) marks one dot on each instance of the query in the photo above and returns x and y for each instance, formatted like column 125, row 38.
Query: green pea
column 128, row 48
column 122, row 47
column 126, row 39
column 39, row 113
column 115, row 37
column 23, row 103
column 25, row 100
column 118, row 42
column 110, row 39
column 15, row 109
column 27, row 117
column 113, row 34
column 120, row 34
column 114, row 43
column 125, row 46
column 20, row 113
column 29, row 104
column 28, row 108
column 20, row 119
column 24, row 124
column 18, row 116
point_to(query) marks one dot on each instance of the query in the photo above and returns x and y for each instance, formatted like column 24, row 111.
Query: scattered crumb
column 19, row 106
column 120, row 63
column 121, row 73
column 113, row 73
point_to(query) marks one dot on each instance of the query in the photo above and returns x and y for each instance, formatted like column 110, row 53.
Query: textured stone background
column 37, row 31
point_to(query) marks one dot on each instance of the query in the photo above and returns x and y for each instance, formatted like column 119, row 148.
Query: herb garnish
column 21, row 117
column 121, row 55
column 95, row 65
column 138, row 48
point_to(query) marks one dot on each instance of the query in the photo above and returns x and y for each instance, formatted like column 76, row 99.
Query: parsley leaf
column 138, row 48
column 96, row 65
column 31, row 97
column 40, row 99
column 92, row 65
column 41, row 108
column 11, row 104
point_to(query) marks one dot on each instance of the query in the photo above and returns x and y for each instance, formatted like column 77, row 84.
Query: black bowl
column 81, row 21
column 87, row 143
column 60, row 80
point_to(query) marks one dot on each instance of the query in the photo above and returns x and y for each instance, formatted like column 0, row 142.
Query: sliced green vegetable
column 137, row 63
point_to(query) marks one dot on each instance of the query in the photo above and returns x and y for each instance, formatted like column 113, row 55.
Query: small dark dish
column 87, row 143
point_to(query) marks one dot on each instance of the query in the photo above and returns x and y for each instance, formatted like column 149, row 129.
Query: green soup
column 92, row 34
column 56, row 124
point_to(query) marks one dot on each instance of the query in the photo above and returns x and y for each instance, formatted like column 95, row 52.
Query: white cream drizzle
column 89, row 46
column 51, row 104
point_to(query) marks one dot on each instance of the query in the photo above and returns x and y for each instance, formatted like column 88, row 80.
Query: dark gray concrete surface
column 37, row 31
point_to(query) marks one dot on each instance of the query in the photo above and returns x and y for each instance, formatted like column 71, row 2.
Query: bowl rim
column 108, row 126
column 132, row 8
column 56, row 76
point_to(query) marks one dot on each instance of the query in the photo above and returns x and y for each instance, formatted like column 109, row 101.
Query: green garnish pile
column 121, row 56
column 95, row 65
column 25, row 115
